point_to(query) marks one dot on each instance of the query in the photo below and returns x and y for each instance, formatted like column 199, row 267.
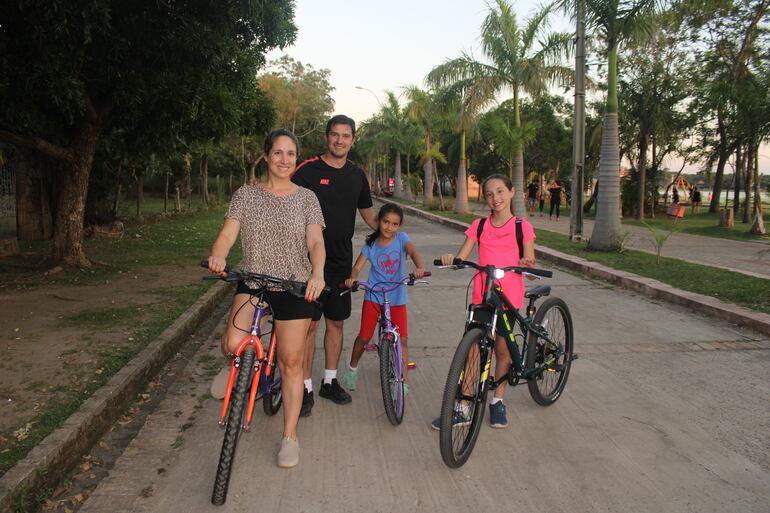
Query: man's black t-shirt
column 341, row 192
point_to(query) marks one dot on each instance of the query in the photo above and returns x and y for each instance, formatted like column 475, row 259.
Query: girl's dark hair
column 497, row 176
column 387, row 208
column 275, row 134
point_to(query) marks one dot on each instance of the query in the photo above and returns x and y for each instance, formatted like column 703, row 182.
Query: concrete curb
column 61, row 451
column 648, row 287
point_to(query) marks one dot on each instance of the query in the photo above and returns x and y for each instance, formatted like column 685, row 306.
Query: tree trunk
column 399, row 189
column 408, row 193
column 642, row 172
column 438, row 188
column 750, row 156
column 139, row 192
column 740, row 164
column 427, row 171
column 724, row 153
column 203, row 168
column 68, row 229
column 758, row 226
column 34, row 216
column 461, row 197
column 252, row 174
column 607, row 228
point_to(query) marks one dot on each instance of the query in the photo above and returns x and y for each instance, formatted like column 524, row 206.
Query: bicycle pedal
column 574, row 357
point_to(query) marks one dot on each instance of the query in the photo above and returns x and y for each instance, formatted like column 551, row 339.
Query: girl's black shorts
column 285, row 306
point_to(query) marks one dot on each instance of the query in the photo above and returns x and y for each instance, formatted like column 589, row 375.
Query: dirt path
column 56, row 341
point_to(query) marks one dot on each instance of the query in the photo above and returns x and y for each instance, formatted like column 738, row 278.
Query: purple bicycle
column 389, row 347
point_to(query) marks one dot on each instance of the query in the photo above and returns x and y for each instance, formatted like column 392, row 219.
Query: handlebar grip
column 205, row 265
column 457, row 261
column 436, row 261
column 426, row 274
column 540, row 272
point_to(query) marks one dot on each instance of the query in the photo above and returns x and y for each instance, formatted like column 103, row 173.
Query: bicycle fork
column 235, row 368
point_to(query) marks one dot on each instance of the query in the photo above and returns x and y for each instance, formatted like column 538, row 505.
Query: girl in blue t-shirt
column 386, row 250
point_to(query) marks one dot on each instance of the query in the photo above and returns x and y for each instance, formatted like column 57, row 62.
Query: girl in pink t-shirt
column 499, row 248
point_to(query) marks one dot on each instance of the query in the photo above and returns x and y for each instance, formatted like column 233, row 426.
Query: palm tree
column 615, row 21
column 513, row 65
column 462, row 107
column 425, row 111
column 395, row 130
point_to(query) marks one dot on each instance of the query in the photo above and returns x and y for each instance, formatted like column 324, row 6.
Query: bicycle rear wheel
column 233, row 426
column 391, row 379
column 272, row 399
column 554, row 354
column 462, row 407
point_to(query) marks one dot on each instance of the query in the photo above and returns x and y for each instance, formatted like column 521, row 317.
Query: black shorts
column 285, row 306
column 335, row 307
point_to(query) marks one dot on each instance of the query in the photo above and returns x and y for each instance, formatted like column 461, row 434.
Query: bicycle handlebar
column 459, row 263
column 408, row 280
column 295, row 288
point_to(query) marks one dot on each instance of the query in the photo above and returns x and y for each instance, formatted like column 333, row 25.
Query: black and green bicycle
column 546, row 337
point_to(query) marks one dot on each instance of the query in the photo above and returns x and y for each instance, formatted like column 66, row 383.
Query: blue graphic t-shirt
column 388, row 264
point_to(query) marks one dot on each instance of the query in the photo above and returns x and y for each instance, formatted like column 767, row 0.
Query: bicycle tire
column 233, row 426
column 553, row 316
column 457, row 441
column 272, row 399
column 391, row 384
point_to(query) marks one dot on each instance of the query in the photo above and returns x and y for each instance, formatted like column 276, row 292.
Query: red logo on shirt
column 324, row 181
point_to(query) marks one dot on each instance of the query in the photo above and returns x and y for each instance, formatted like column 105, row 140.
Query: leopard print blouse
column 273, row 230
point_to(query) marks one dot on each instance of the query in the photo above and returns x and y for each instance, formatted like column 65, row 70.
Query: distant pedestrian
column 675, row 196
column 554, row 189
column 695, row 198
column 532, row 196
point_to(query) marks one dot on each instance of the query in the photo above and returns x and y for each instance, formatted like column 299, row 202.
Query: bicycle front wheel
column 234, row 425
column 553, row 354
column 392, row 378
column 462, row 407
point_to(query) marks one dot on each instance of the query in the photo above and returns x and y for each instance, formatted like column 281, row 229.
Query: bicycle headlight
column 499, row 273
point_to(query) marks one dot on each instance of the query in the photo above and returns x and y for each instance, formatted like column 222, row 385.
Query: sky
column 385, row 45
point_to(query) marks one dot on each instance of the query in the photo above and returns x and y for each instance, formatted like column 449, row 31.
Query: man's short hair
column 341, row 119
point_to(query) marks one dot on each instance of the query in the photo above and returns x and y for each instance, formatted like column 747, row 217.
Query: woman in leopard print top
column 280, row 224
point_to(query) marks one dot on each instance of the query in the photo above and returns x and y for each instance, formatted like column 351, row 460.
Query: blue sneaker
column 458, row 419
column 497, row 418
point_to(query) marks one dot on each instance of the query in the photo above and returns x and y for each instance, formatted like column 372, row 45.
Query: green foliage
column 660, row 238
column 302, row 98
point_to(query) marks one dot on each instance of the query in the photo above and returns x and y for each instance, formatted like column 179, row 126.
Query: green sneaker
column 406, row 389
column 351, row 379
column 393, row 391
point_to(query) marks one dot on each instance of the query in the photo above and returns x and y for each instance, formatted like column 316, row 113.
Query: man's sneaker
column 497, row 418
column 351, row 379
column 334, row 392
column 219, row 385
column 307, row 403
column 458, row 419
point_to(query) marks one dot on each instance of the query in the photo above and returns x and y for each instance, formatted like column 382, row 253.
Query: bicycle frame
column 266, row 364
column 497, row 304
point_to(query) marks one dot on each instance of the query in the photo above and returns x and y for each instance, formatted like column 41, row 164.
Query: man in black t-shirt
column 341, row 188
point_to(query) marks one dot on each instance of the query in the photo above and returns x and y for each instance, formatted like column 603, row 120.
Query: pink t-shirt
column 499, row 248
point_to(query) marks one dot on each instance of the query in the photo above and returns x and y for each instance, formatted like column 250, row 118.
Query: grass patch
column 65, row 401
column 179, row 239
column 705, row 224
column 101, row 317
column 732, row 287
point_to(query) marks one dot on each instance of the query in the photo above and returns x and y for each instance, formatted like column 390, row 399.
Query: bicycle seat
column 538, row 291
